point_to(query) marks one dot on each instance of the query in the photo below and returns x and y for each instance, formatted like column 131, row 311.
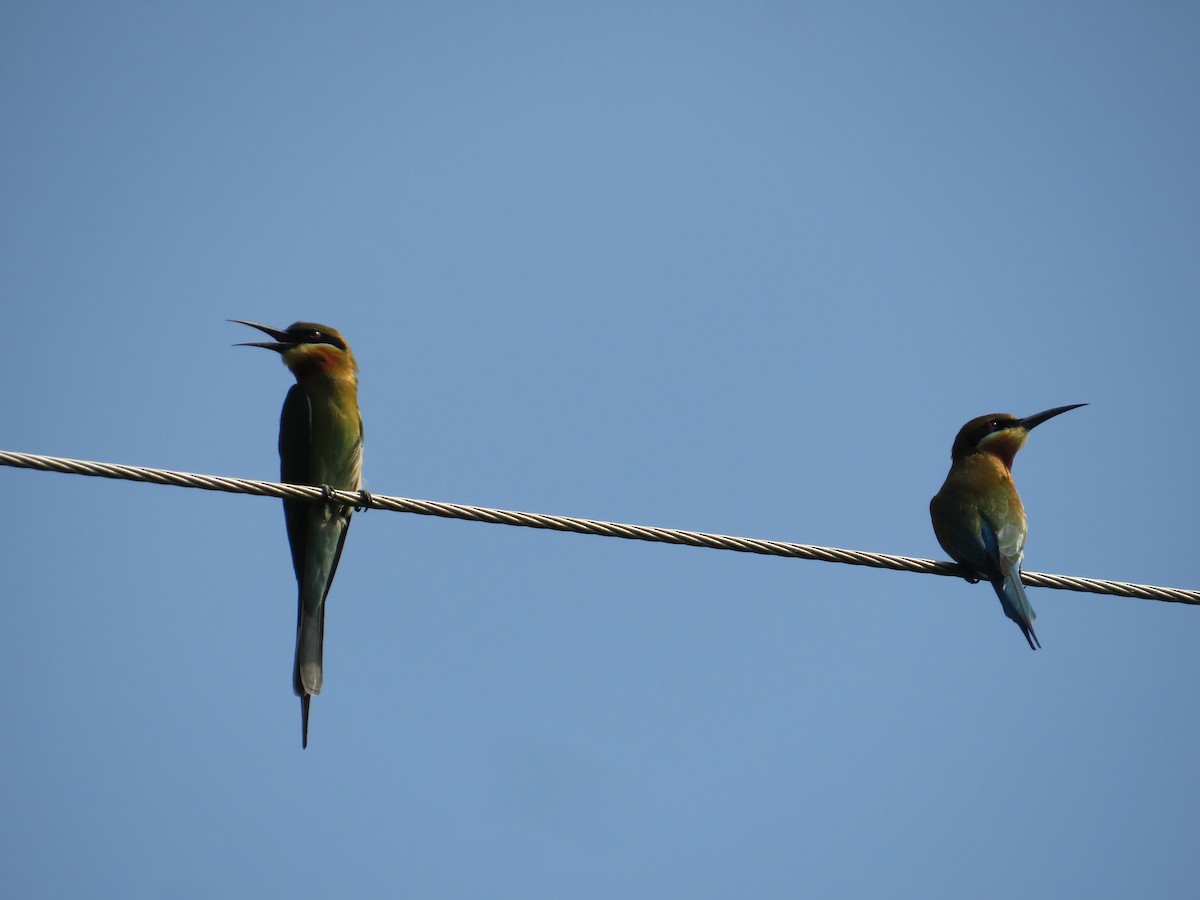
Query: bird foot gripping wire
column 365, row 500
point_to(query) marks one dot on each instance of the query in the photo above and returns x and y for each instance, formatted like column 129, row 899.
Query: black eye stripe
column 316, row 336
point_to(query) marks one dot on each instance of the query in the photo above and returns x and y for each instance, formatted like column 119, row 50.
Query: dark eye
column 994, row 425
column 315, row 335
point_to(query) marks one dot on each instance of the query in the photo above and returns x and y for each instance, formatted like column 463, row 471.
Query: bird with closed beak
column 978, row 517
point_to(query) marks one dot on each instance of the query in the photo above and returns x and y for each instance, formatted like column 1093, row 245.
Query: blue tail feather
column 1016, row 606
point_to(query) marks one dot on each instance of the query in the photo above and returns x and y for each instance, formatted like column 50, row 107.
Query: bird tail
column 305, row 702
column 1016, row 606
column 308, row 668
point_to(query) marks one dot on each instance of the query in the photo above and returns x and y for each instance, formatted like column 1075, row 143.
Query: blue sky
column 736, row 267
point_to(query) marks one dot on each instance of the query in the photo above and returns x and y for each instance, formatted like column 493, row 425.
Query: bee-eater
column 977, row 515
column 320, row 444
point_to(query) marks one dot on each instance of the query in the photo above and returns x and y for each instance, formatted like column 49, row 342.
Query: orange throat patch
column 1004, row 444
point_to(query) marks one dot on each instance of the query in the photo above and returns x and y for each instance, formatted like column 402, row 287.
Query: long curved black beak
column 282, row 339
column 1031, row 422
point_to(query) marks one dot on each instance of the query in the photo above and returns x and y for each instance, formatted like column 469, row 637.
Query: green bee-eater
column 320, row 443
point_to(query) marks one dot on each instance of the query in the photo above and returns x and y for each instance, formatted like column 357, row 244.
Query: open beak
column 1028, row 423
column 282, row 340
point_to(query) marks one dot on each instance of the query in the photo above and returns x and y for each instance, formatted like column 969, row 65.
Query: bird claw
column 364, row 501
column 327, row 493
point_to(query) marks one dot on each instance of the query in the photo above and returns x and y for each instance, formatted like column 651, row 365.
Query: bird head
column 1000, row 434
column 307, row 348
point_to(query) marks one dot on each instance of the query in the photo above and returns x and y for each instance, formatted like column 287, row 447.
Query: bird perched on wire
column 320, row 444
column 978, row 516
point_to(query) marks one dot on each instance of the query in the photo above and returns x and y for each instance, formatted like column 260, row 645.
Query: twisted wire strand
column 577, row 526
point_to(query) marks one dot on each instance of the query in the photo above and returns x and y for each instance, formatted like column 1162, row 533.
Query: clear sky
column 741, row 267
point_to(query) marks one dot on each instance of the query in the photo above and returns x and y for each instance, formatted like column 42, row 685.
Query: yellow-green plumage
column 979, row 520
